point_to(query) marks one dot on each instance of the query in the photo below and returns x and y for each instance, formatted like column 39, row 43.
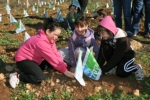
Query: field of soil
column 56, row 82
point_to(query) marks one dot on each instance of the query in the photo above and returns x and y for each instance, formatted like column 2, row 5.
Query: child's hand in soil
column 69, row 74
column 93, row 53
column 73, row 70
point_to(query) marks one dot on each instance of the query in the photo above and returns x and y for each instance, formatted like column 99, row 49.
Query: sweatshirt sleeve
column 95, row 47
column 50, row 54
column 101, row 59
column 121, row 47
column 71, row 52
column 56, row 52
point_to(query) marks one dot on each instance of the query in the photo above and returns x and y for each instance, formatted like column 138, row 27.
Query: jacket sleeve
column 95, row 47
column 56, row 52
column 48, row 53
column 71, row 52
column 101, row 59
column 120, row 49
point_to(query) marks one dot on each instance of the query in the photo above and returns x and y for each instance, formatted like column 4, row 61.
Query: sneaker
column 135, row 34
column 112, row 71
column 143, row 18
column 147, row 36
column 129, row 34
column 13, row 79
column 139, row 73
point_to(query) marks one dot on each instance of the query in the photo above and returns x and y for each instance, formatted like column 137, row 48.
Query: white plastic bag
column 79, row 70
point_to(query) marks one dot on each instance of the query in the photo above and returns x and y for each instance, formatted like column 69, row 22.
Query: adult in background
column 83, row 4
column 142, row 11
column 126, row 6
column 71, row 16
column 138, row 6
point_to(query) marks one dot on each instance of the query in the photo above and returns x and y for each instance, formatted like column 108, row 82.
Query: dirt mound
column 136, row 45
column 58, row 83
column 55, row 82
column 4, row 90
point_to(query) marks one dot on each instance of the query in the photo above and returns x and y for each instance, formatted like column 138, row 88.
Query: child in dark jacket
column 71, row 16
column 82, row 38
column 116, row 51
column 101, row 13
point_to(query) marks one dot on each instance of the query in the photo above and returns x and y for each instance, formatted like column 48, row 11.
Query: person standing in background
column 83, row 4
column 138, row 7
column 142, row 11
column 71, row 16
column 126, row 6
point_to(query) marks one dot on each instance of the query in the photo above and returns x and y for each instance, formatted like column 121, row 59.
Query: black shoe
column 129, row 35
column 147, row 36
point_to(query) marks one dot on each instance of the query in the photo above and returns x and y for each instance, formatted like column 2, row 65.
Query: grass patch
column 119, row 96
column 53, row 96
column 66, row 95
column 7, row 40
column 22, row 93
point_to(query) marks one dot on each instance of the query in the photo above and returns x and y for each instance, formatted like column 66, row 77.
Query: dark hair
column 101, row 12
column 101, row 28
column 81, row 21
column 51, row 24
column 71, row 6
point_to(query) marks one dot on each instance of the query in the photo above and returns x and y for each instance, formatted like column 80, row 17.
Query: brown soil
column 56, row 82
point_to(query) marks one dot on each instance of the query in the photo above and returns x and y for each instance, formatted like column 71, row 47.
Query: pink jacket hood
column 109, row 24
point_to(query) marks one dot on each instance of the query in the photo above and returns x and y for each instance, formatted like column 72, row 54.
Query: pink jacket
column 37, row 48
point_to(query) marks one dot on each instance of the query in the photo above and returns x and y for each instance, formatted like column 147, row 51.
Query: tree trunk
column 7, row 2
column 27, row 3
column 90, row 1
column 38, row 2
column 18, row 2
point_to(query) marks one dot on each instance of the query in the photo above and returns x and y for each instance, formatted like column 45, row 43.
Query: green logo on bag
column 91, row 67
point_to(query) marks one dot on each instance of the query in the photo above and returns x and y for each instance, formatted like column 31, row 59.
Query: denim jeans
column 124, row 5
column 83, row 4
column 138, row 5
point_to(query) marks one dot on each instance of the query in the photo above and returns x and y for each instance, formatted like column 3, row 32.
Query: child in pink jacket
column 36, row 53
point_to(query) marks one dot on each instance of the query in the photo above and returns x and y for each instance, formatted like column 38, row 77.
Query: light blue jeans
column 138, row 5
column 124, row 5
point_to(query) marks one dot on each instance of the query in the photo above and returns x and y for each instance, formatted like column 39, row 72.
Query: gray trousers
column 64, row 52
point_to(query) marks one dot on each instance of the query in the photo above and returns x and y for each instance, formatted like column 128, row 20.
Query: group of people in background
column 132, row 15
column 115, row 54
column 132, row 11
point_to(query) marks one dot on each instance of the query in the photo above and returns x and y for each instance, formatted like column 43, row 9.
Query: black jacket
column 113, row 50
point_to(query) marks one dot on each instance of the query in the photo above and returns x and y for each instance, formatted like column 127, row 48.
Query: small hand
column 69, row 74
column 93, row 53
column 73, row 70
